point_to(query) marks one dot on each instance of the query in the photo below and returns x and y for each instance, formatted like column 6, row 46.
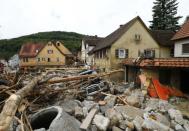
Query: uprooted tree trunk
column 81, row 77
column 13, row 102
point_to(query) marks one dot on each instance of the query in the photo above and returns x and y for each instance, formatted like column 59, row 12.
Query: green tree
column 165, row 15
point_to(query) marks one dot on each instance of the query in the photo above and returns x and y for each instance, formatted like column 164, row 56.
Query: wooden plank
column 86, row 123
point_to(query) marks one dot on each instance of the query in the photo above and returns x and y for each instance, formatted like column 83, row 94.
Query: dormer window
column 137, row 37
column 50, row 51
column 58, row 44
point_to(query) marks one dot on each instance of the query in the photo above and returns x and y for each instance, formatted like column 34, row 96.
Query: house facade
column 130, row 41
column 88, row 43
column 40, row 54
column 172, row 71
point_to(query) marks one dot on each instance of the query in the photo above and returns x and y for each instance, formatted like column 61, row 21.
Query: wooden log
column 13, row 102
column 83, row 77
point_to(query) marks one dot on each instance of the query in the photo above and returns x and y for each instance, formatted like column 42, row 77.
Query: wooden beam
column 83, row 77
column 86, row 123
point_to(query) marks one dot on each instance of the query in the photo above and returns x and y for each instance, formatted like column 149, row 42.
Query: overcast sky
column 91, row 17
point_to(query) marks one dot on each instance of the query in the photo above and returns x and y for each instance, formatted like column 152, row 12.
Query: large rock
column 120, row 88
column 114, row 116
column 164, row 106
column 179, row 128
column 114, row 128
column 79, row 113
column 186, row 125
column 138, row 121
column 110, row 102
column 136, row 98
column 150, row 124
column 129, row 112
column 68, row 105
column 176, row 115
column 90, row 104
column 158, row 105
column 101, row 122
column 54, row 119
column 158, row 117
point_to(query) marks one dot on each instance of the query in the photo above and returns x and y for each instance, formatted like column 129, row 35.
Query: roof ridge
column 112, row 37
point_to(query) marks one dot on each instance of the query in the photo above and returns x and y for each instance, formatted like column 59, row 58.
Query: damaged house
column 40, row 54
column 170, row 68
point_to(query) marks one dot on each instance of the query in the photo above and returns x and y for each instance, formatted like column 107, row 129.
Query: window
column 149, row 53
column 43, row 59
column 101, row 54
column 57, row 59
column 104, row 53
column 25, row 59
column 121, row 53
column 49, row 60
column 137, row 37
column 185, row 48
column 49, row 51
column 38, row 59
column 58, row 44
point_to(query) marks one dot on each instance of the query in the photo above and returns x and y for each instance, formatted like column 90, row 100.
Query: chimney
column 120, row 26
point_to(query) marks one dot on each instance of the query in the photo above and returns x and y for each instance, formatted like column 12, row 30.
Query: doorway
column 184, row 83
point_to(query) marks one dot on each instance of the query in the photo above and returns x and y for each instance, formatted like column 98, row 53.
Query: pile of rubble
column 63, row 102
column 126, row 110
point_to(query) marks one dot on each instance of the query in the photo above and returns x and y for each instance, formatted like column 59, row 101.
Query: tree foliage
column 9, row 47
column 165, row 15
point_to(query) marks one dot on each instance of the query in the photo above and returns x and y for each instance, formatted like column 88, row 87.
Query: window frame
column 184, row 48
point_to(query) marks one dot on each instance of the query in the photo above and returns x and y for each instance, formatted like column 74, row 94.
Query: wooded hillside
column 9, row 47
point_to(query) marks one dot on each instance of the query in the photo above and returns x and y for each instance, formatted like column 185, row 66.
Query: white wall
column 178, row 49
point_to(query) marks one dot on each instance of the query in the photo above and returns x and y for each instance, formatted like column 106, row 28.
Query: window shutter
column 126, row 53
column 117, row 53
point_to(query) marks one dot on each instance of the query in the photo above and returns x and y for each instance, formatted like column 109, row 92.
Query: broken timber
column 83, row 77
column 13, row 102
column 86, row 123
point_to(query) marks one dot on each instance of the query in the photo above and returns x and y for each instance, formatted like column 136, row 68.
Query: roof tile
column 183, row 32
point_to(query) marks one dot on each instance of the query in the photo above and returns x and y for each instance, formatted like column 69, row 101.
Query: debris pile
column 75, row 101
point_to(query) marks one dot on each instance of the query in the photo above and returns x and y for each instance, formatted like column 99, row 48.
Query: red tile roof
column 30, row 49
column 159, row 62
column 183, row 32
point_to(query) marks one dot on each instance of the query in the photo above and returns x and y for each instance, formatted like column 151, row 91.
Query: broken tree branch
column 13, row 102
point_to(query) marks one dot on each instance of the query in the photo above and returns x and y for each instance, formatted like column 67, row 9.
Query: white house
column 181, row 38
column 14, row 61
column 88, row 43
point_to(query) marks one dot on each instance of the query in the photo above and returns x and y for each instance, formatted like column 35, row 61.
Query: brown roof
column 111, row 38
column 163, row 37
column 159, row 62
column 92, row 40
column 183, row 32
column 30, row 49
